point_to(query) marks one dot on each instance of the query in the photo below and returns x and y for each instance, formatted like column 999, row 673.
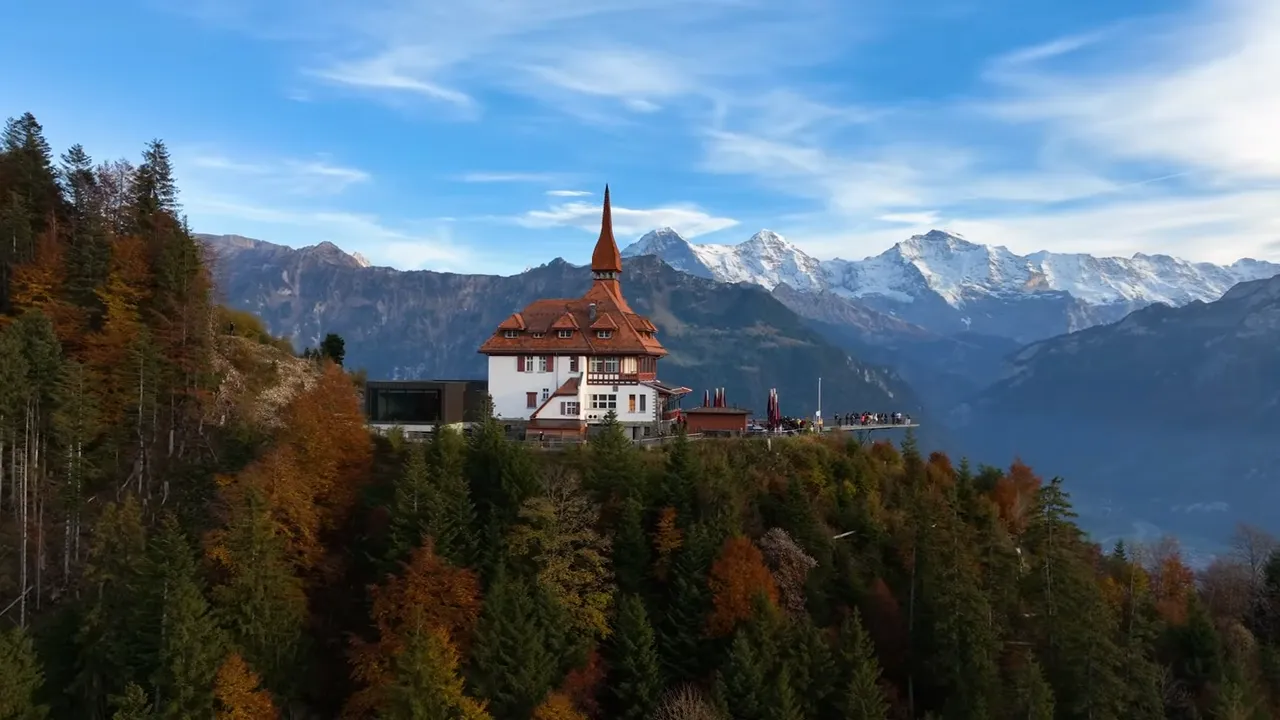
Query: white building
column 561, row 365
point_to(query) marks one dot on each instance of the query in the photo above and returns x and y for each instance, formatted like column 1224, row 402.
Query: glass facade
column 408, row 406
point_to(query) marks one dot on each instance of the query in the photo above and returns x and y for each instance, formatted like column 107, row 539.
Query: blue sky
column 476, row 135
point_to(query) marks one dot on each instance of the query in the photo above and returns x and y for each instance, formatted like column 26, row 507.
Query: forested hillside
column 196, row 524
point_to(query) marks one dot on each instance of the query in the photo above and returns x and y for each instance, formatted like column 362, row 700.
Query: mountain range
column 424, row 324
column 1114, row 405
column 946, row 284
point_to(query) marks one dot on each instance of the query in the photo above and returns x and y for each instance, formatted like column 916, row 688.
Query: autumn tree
column 556, row 538
column 738, row 575
column 236, row 692
column 429, row 596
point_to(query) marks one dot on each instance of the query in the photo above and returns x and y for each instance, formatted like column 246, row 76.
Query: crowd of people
column 863, row 419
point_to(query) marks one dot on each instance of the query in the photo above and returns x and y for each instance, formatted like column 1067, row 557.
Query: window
column 538, row 334
column 604, row 402
column 564, row 334
column 545, row 363
column 604, row 364
column 569, row 408
column 528, row 364
column 510, row 333
column 573, row 364
column 604, row 334
column 629, row 365
column 642, row 401
column 546, row 393
column 531, row 399
column 631, row 403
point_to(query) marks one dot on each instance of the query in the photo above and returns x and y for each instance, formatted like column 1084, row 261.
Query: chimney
column 591, row 312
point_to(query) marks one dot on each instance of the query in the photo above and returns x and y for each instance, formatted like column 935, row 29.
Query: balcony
column 611, row 378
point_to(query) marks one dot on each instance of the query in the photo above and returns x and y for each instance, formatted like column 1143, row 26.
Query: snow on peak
column 361, row 260
column 954, row 269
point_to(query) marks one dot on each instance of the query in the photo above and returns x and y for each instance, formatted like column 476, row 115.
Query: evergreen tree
column 614, row 467
column 513, row 654
column 740, row 685
column 631, row 554
column 133, row 704
column 634, row 684
column 1031, row 696
column 452, row 518
column 334, row 348
column 681, row 631
column 20, row 677
column 859, row 696
column 426, row 684
column 260, row 601
column 680, row 479
column 189, row 647
column 111, row 643
column 412, row 504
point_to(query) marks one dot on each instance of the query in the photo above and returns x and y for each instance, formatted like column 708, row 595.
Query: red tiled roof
column 604, row 322
column 566, row 322
column 515, row 322
column 606, row 257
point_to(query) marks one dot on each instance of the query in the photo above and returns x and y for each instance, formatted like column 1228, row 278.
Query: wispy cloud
column 568, row 193
column 689, row 220
column 307, row 177
column 509, row 177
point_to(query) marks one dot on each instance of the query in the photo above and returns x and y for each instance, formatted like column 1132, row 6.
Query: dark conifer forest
column 196, row 523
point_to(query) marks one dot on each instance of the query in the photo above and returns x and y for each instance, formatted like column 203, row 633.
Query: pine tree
column 682, row 651
column 20, row 677
column 631, row 554
column 634, row 684
column 111, row 641
column 412, row 504
column 189, row 647
column 452, row 521
column 1031, row 696
column 259, row 599
column 426, row 685
column 133, row 704
column 614, row 467
column 740, row 685
column 859, row 697
column 513, row 654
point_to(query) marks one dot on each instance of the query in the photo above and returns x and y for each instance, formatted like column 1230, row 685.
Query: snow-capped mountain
column 943, row 282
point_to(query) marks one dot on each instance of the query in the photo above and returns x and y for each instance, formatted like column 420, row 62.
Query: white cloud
column 1202, row 96
column 568, row 193
column 293, row 176
column 688, row 220
column 354, row 232
column 508, row 177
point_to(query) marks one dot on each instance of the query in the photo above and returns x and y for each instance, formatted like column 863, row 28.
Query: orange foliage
column 666, row 540
column 238, row 695
column 939, row 470
column 1171, row 581
column 431, row 595
column 1015, row 494
column 582, row 684
column 557, row 707
column 38, row 285
column 311, row 476
column 737, row 576
column 110, row 352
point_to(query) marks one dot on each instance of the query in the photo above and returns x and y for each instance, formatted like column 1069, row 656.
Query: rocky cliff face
column 426, row 324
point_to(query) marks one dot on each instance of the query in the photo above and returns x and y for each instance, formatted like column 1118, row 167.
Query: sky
column 477, row 135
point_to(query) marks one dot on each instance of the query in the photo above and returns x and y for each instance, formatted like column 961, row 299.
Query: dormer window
column 564, row 334
column 604, row 334
column 538, row 334
column 510, row 333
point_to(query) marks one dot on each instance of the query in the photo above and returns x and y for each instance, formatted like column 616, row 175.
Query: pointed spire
column 606, row 261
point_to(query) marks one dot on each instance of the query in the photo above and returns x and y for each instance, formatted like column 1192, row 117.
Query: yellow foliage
column 557, row 706
column 238, row 695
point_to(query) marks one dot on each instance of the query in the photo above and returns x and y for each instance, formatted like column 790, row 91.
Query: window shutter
column 551, row 363
column 520, row 364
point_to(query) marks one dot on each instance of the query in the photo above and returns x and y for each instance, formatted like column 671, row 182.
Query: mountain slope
column 429, row 324
column 1169, row 415
column 947, row 284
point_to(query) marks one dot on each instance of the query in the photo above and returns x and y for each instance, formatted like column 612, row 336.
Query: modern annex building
column 560, row 365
